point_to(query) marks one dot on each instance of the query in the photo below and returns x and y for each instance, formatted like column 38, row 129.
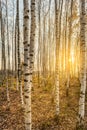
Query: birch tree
column 18, row 52
column 58, row 16
column 8, row 61
column 83, row 66
column 27, row 86
column 13, row 40
column 69, row 49
column 18, row 44
column 57, row 58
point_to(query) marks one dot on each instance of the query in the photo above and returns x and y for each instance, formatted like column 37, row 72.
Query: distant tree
column 8, row 55
column 58, row 16
column 18, row 53
column 18, row 41
column 57, row 58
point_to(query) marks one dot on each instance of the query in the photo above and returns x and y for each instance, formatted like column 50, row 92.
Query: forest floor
column 43, row 108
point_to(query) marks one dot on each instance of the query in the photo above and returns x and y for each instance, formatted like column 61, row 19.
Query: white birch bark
column 83, row 66
column 19, row 60
column 27, row 85
column 57, row 58
column 8, row 62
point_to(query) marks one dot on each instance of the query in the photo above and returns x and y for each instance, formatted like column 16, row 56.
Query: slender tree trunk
column 1, row 24
column 16, row 75
column 39, row 39
column 58, row 16
column 57, row 59
column 19, row 60
column 83, row 67
column 69, row 50
column 27, row 85
column 13, row 41
column 8, row 62
column 18, row 40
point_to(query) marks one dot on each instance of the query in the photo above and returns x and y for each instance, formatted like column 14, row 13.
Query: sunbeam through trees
column 43, row 64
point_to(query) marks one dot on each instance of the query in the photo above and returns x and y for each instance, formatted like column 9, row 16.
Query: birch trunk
column 39, row 39
column 8, row 62
column 57, row 58
column 83, row 66
column 69, row 49
column 18, row 40
column 32, row 39
column 27, row 85
column 16, row 76
column 19, row 60
column 13, row 41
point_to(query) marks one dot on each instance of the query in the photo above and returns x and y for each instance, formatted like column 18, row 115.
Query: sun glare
column 71, row 63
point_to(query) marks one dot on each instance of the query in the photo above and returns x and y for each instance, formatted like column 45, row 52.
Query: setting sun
column 43, row 64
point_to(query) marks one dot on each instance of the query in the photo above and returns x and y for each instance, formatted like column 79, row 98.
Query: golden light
column 69, row 62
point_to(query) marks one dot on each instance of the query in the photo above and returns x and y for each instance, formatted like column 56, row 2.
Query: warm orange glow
column 69, row 63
